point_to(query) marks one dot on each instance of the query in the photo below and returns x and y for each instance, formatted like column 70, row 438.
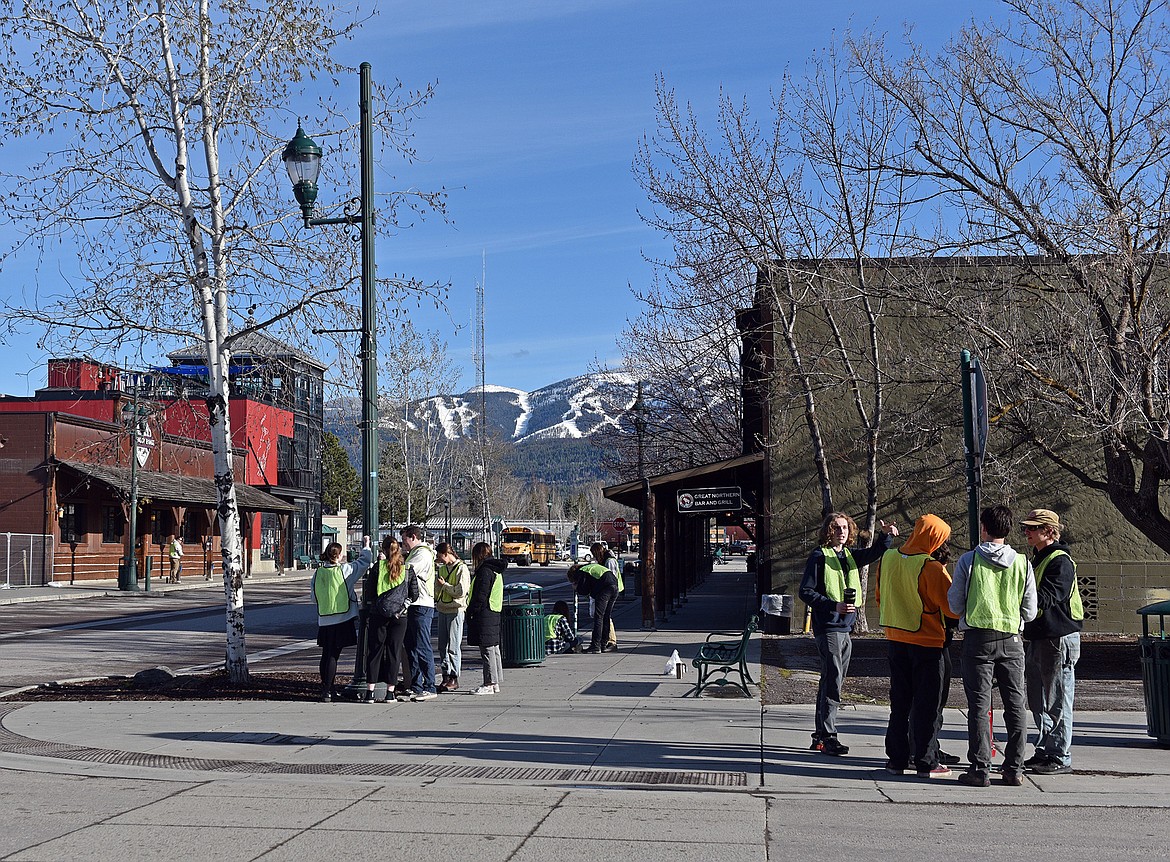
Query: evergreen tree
column 342, row 486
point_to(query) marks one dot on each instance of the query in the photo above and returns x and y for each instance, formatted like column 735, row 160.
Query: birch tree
column 158, row 193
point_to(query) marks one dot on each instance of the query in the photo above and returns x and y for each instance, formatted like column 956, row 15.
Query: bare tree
column 161, row 126
column 1046, row 140
column 417, row 365
column 791, row 213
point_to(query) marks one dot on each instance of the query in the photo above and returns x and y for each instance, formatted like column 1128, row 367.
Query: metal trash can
column 1155, row 650
column 777, row 610
column 127, row 576
column 631, row 580
column 522, row 626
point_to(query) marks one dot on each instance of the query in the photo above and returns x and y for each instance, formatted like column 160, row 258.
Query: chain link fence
column 27, row 559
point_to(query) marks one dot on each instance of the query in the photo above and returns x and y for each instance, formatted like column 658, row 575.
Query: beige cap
column 1042, row 518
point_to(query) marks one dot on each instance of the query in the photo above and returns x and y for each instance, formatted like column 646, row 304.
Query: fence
column 27, row 559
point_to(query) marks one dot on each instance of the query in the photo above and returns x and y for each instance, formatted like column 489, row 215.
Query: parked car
column 737, row 548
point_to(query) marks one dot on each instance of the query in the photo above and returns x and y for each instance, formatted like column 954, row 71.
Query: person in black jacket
column 483, row 614
column 831, row 587
column 600, row 584
column 1052, row 644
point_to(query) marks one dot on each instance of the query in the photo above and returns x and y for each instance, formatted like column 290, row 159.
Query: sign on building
column 709, row 500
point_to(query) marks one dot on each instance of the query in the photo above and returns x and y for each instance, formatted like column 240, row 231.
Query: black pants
column 384, row 650
column 603, row 602
column 915, row 683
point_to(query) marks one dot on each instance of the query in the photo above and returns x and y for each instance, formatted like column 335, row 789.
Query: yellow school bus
column 525, row 546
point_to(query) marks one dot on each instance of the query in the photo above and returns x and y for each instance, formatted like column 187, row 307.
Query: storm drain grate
column 13, row 743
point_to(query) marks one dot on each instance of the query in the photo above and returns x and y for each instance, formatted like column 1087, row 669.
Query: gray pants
column 994, row 656
column 1051, row 682
column 835, row 649
column 493, row 666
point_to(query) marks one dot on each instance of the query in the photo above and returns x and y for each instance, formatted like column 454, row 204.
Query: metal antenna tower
column 481, row 381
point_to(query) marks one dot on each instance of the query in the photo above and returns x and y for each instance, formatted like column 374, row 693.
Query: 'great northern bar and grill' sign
column 710, row 500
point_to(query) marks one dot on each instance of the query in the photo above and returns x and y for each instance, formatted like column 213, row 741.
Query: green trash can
column 522, row 626
column 127, row 576
column 1155, row 651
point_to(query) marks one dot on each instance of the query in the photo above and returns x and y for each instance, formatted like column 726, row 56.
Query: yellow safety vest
column 386, row 581
column 330, row 591
column 446, row 577
column 1076, row 607
column 901, row 604
column 550, row 625
column 837, row 578
column 496, row 597
column 994, row 595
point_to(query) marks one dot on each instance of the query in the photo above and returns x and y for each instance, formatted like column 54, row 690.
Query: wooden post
column 648, row 550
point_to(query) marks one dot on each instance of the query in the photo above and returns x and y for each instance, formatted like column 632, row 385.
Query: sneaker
column 609, row 648
column 948, row 759
column 1011, row 779
column 592, row 649
column 973, row 779
column 1035, row 760
column 817, row 743
column 496, row 688
column 420, row 696
column 402, row 695
column 939, row 771
column 326, row 697
column 834, row 748
column 894, row 770
column 1050, row 767
column 486, row 689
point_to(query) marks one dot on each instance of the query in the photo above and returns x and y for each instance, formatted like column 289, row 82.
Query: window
column 113, row 522
column 70, row 522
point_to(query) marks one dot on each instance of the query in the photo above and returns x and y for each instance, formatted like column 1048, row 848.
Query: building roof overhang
column 743, row 471
column 175, row 489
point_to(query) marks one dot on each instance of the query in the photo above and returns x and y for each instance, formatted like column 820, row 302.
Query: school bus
column 524, row 546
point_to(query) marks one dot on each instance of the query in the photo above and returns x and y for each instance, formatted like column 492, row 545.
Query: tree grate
column 14, row 743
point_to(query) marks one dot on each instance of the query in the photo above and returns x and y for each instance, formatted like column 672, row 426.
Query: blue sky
column 538, row 111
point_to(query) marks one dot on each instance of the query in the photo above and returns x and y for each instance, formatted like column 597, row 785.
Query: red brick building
column 68, row 477
column 276, row 417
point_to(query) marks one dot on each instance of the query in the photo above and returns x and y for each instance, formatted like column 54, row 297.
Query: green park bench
column 725, row 657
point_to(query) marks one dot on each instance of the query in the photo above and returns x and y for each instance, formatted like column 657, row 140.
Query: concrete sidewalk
column 64, row 591
column 556, row 766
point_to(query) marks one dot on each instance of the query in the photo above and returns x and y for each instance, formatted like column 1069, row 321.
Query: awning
column 326, row 530
column 172, row 488
column 744, row 471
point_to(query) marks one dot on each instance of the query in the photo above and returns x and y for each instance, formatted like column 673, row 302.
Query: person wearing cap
column 1052, row 644
column 911, row 594
column 994, row 594
column 830, row 575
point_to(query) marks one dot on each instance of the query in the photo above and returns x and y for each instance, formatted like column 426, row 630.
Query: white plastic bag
column 674, row 666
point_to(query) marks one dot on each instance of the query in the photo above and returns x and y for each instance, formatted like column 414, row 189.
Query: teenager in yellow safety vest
column 559, row 636
column 483, row 614
column 994, row 593
column 911, row 592
column 1052, row 644
column 832, row 570
column 332, row 587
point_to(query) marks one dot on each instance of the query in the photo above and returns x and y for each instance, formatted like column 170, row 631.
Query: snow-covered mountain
column 571, row 409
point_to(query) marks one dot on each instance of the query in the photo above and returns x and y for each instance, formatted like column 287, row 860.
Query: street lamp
column 133, row 415
column 550, row 511
column 302, row 160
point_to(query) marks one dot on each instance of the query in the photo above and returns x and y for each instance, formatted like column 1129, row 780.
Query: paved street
column 583, row 757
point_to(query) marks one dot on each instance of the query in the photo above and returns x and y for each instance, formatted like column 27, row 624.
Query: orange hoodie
column 930, row 532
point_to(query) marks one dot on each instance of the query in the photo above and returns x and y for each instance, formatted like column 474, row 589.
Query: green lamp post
column 302, row 160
